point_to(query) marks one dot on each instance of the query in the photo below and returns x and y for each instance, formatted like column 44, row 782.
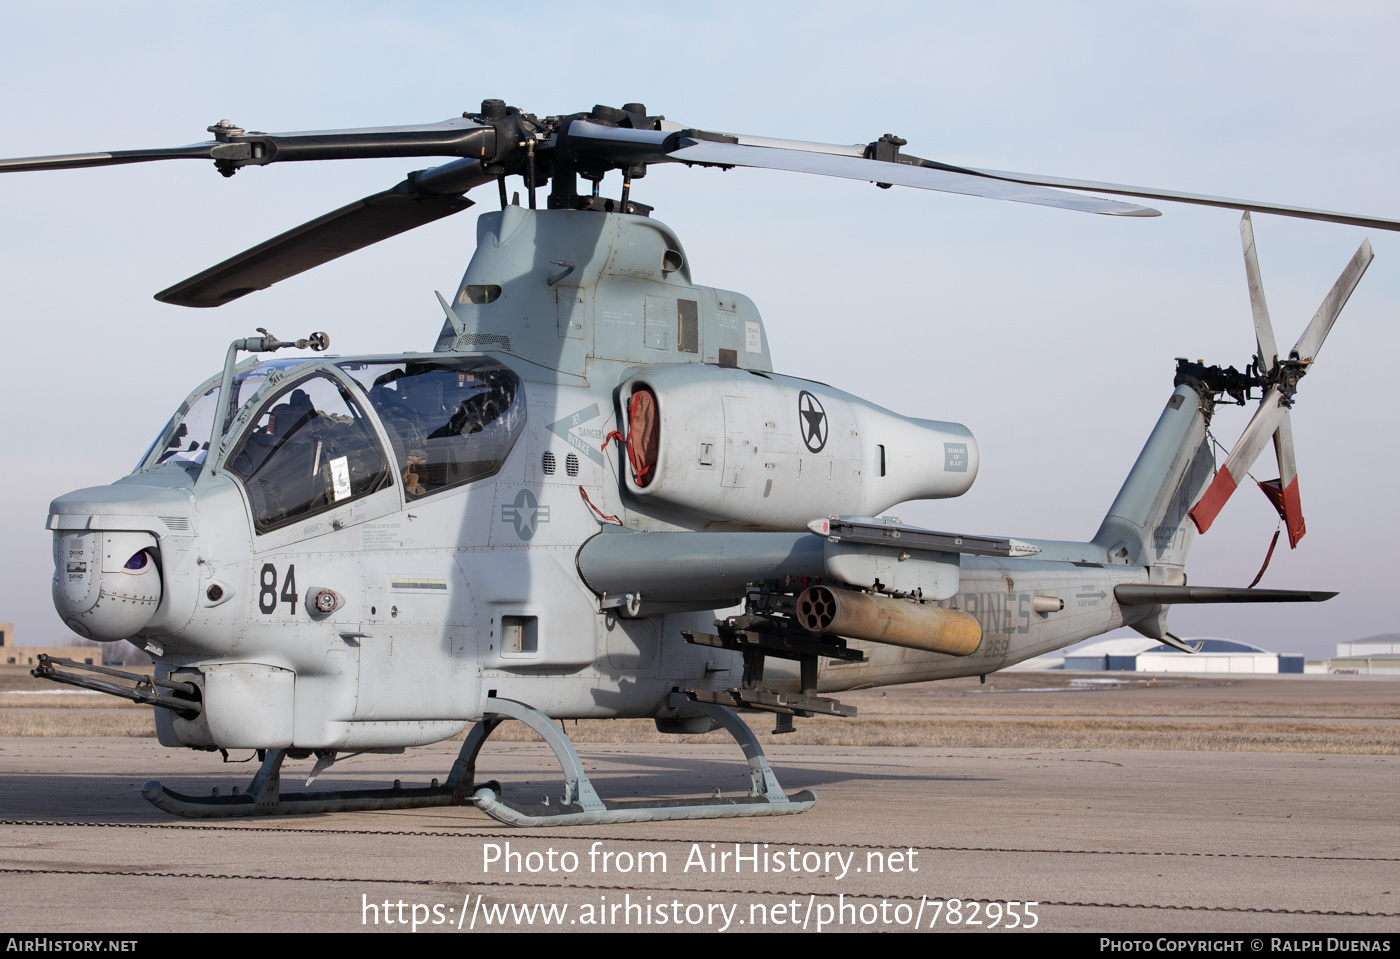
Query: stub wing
column 705, row 570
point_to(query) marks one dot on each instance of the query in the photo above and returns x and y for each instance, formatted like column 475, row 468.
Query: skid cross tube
column 580, row 806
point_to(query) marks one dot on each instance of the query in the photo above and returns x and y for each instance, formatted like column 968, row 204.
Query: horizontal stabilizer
column 1131, row 595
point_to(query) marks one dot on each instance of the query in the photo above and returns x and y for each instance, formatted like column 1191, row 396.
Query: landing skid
column 578, row 805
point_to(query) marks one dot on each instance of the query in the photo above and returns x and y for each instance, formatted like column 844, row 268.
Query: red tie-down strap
column 601, row 515
column 643, row 436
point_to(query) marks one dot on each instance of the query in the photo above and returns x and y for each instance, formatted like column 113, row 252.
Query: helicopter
column 595, row 496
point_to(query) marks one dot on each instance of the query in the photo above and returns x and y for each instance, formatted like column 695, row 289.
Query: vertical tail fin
column 1147, row 524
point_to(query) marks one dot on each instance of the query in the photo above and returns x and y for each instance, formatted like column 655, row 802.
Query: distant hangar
column 1149, row 656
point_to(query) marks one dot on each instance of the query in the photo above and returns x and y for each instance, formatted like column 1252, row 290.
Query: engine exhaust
column 845, row 612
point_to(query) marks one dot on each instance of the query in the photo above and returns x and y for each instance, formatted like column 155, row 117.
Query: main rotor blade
column 1241, row 458
column 325, row 238
column 1263, row 329
column 694, row 146
column 618, row 145
column 67, row 161
column 458, row 137
column 880, row 171
column 1321, row 324
column 1199, row 199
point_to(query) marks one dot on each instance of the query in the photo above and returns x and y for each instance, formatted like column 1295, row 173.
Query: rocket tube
column 879, row 619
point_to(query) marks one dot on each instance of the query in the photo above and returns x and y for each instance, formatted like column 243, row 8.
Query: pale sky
column 1050, row 334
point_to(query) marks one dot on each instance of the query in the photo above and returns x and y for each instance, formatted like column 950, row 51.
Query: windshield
column 185, row 440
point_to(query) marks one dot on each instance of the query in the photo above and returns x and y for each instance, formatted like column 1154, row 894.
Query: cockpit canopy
column 309, row 449
column 314, row 441
column 450, row 421
column 186, row 438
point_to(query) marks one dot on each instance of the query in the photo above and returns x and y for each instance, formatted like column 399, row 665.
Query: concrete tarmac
column 1125, row 841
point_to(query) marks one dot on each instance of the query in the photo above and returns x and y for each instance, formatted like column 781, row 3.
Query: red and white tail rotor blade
column 1283, row 492
column 1247, row 449
column 1263, row 329
column 1311, row 341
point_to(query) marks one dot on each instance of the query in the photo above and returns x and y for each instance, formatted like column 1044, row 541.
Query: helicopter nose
column 106, row 585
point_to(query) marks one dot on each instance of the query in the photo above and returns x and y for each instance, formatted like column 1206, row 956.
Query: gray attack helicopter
column 594, row 497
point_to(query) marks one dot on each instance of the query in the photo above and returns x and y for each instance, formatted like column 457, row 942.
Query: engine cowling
column 775, row 452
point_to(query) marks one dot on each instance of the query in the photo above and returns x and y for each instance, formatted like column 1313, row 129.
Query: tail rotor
column 1278, row 377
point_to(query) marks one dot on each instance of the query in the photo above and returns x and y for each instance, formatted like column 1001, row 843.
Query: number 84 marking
column 268, row 597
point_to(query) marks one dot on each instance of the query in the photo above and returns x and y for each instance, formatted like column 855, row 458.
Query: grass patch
column 130, row 721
